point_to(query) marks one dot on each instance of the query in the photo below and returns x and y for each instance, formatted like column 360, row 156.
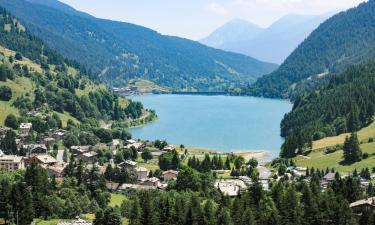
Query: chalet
column 79, row 150
column 228, row 187
column 137, row 145
column 34, row 114
column 169, row 148
column 44, row 160
column 153, row 182
column 10, row 162
column 329, row 177
column 25, row 128
column 88, row 157
column 169, row 175
column 35, row 149
column 59, row 134
column 363, row 206
column 128, row 164
column 142, row 173
column 56, row 170
column 49, row 141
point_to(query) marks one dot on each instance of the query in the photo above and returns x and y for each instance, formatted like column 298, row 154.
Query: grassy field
column 46, row 222
column 19, row 86
column 363, row 134
column 318, row 159
column 116, row 200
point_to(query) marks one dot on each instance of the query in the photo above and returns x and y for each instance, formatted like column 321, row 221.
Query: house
column 329, row 177
column 44, row 160
column 153, row 182
column 362, row 206
column 56, row 170
column 24, row 129
column 128, row 164
column 59, row 134
column 35, row 149
column 75, row 222
column 137, row 145
column 79, row 150
column 142, row 173
column 33, row 114
column 49, row 141
column 169, row 175
column 229, row 187
column 88, row 157
column 169, row 148
column 10, row 162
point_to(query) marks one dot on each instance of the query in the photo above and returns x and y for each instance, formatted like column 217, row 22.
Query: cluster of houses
column 144, row 181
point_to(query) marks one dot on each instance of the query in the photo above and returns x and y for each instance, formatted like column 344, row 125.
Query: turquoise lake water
column 225, row 123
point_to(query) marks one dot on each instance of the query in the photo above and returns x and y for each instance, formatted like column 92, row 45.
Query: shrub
column 18, row 56
column 370, row 140
column 5, row 93
column 365, row 155
column 11, row 121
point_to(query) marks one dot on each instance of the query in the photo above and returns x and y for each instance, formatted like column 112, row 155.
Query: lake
column 225, row 123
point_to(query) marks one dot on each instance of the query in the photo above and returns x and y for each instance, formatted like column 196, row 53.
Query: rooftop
column 367, row 201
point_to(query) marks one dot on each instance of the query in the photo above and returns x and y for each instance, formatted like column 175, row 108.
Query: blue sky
column 194, row 19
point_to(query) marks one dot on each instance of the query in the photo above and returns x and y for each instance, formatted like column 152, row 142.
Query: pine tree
column 224, row 217
column 352, row 150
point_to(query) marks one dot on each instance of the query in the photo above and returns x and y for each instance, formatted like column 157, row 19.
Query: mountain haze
column 121, row 51
column 346, row 39
column 272, row 44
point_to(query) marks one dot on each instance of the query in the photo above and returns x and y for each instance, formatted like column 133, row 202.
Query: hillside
column 345, row 104
column 35, row 79
column 346, row 39
column 121, row 51
column 272, row 44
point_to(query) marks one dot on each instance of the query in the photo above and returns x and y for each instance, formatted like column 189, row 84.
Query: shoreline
column 260, row 155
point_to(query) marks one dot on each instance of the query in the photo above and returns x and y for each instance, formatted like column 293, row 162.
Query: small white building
column 25, row 129
column 142, row 173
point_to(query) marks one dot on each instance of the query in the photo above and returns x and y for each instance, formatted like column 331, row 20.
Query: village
column 54, row 157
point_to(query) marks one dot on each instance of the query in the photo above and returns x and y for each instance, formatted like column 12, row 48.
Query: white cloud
column 217, row 8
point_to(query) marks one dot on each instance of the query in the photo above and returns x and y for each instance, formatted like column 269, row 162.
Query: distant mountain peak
column 234, row 30
column 272, row 44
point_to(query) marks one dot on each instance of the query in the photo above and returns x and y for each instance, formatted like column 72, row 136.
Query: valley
column 106, row 122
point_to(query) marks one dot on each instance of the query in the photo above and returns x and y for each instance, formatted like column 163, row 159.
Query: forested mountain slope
column 33, row 77
column 346, row 104
column 121, row 51
column 346, row 39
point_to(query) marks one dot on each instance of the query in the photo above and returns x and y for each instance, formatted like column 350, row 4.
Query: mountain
column 235, row 30
column 121, row 51
column 34, row 77
column 346, row 39
column 272, row 44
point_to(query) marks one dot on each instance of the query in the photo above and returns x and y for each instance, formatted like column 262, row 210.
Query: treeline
column 25, row 195
column 346, row 104
column 286, row 203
